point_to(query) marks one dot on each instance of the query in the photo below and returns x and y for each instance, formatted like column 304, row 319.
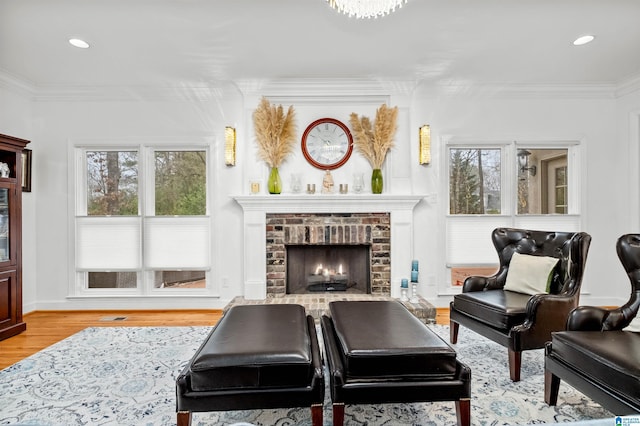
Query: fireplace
column 325, row 219
column 323, row 268
column 323, row 234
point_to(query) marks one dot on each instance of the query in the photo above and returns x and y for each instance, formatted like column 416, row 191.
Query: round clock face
column 327, row 144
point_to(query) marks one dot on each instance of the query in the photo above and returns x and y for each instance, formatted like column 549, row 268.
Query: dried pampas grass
column 374, row 141
column 275, row 132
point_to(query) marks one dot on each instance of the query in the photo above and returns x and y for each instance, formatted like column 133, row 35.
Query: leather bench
column 599, row 364
column 257, row 356
column 378, row 352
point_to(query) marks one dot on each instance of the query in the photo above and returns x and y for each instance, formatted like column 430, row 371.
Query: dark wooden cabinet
column 11, row 161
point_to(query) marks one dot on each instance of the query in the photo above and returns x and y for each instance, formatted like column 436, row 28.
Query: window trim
column 78, row 285
column 573, row 220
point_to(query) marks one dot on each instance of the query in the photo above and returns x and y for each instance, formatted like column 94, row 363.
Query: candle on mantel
column 404, row 283
column 414, row 265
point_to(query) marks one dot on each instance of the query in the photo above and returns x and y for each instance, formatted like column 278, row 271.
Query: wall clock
column 327, row 144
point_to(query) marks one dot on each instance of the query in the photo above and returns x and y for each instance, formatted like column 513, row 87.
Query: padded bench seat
column 402, row 347
column 378, row 352
column 599, row 364
column 257, row 356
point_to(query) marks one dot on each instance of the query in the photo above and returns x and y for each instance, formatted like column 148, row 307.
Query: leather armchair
column 519, row 321
column 595, row 355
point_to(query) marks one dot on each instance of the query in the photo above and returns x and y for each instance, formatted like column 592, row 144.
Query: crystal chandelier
column 366, row 8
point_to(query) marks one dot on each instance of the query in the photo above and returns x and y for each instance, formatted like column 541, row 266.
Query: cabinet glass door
column 4, row 225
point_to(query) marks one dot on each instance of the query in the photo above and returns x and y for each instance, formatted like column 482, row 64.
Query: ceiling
column 183, row 43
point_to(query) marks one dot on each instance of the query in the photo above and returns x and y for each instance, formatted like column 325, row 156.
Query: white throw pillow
column 634, row 325
column 530, row 274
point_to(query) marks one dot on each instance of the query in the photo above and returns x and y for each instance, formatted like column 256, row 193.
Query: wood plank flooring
column 45, row 328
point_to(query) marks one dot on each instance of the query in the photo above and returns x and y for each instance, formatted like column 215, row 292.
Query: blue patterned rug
column 126, row 376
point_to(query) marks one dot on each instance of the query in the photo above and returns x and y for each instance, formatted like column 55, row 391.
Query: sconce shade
column 425, row 144
column 230, row 146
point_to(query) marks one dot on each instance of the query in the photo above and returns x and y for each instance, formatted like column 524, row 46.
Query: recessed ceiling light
column 583, row 40
column 79, row 43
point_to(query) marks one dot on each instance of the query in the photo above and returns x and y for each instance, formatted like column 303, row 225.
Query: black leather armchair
column 515, row 320
column 595, row 355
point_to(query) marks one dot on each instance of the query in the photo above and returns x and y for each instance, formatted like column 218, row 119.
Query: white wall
column 605, row 173
column 601, row 123
column 16, row 119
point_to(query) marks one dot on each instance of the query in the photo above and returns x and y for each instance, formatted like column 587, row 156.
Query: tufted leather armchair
column 520, row 321
column 595, row 355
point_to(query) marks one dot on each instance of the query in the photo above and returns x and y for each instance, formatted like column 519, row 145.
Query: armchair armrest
column 478, row 283
column 545, row 313
column 594, row 318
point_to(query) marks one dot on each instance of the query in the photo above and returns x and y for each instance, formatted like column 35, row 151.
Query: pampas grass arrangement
column 275, row 132
column 374, row 141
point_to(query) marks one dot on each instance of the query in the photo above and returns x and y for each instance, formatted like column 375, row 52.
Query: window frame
column 477, row 227
column 78, row 286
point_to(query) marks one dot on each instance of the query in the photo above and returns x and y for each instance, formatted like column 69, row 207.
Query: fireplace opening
column 328, row 268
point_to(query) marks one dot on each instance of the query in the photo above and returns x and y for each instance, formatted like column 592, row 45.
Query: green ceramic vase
column 275, row 183
column 376, row 181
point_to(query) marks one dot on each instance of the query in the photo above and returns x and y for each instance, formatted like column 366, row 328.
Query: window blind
column 177, row 242
column 108, row 243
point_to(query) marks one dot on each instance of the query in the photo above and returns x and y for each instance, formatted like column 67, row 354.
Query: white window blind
column 469, row 239
column 177, row 242
column 554, row 222
column 108, row 243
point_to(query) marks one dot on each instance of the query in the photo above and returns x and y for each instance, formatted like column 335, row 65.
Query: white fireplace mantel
column 256, row 207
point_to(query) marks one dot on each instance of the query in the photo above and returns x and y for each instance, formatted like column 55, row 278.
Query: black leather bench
column 378, row 352
column 257, row 356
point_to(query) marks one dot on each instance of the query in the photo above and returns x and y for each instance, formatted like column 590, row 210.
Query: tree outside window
column 474, row 181
column 112, row 183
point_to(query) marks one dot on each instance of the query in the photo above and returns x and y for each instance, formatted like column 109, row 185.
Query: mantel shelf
column 327, row 203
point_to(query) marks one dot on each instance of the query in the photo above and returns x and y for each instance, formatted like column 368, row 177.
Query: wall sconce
column 230, row 146
column 523, row 162
column 425, row 145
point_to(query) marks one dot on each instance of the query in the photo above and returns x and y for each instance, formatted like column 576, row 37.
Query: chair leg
column 551, row 387
column 184, row 418
column 338, row 414
column 463, row 412
column 515, row 361
column 316, row 414
column 453, row 332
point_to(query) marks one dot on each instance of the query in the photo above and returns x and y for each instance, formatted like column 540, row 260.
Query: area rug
column 126, row 376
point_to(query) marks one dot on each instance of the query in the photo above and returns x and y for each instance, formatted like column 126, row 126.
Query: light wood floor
column 45, row 328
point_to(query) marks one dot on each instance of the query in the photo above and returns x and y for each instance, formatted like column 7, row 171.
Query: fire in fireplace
column 322, row 268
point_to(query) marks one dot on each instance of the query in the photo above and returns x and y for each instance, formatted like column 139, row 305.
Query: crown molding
column 128, row 93
column 515, row 91
column 314, row 91
column 628, row 86
column 319, row 91
column 17, row 84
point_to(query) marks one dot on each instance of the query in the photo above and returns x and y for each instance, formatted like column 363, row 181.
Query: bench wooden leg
column 316, row 414
column 184, row 418
column 515, row 361
column 463, row 412
column 453, row 332
column 338, row 414
column 551, row 387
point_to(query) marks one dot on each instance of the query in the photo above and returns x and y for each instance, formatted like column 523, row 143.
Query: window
column 141, row 229
column 542, row 181
column 538, row 190
column 474, row 181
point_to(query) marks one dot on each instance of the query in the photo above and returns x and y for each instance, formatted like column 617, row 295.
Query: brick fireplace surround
column 372, row 229
column 271, row 221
